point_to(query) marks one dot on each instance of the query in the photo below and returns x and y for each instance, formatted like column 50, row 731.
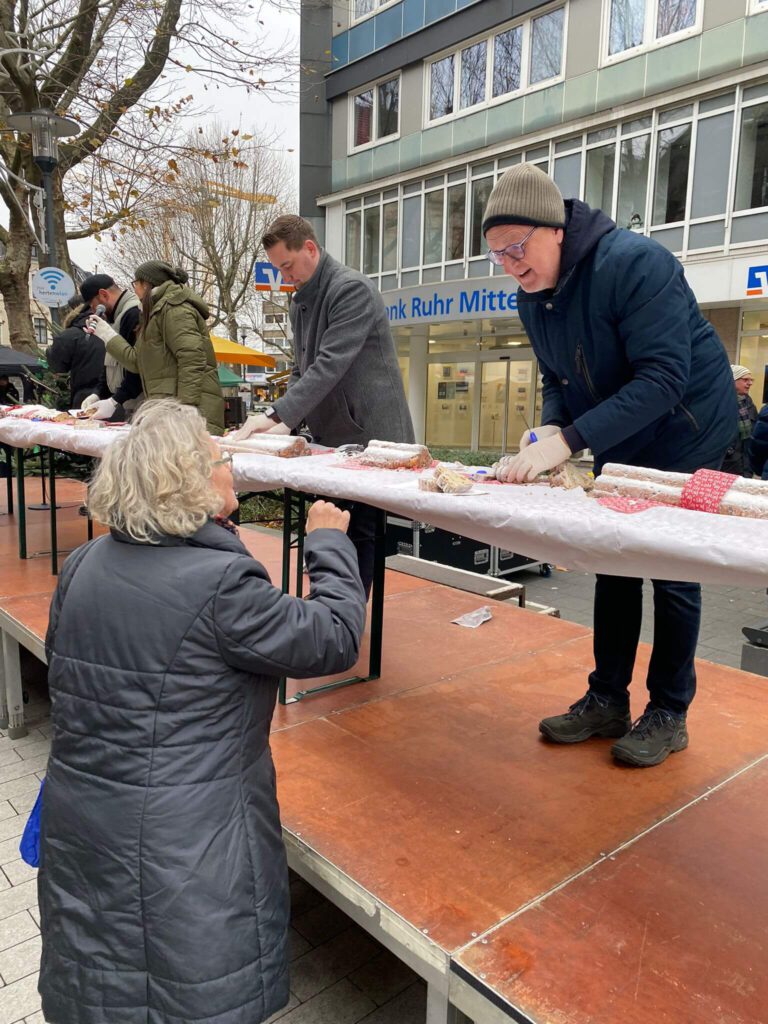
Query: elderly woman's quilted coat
column 163, row 881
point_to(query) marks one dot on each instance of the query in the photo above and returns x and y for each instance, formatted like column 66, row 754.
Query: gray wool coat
column 346, row 382
column 163, row 883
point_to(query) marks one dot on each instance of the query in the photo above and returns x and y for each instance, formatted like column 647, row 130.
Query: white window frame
column 757, row 6
column 355, row 20
column 375, row 140
column 490, row 39
column 650, row 42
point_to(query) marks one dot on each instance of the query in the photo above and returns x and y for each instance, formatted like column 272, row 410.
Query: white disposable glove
column 258, row 424
column 89, row 401
column 279, row 428
column 534, row 459
column 104, row 409
column 540, row 432
column 95, row 325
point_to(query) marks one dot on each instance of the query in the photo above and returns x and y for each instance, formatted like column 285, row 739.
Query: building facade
column 655, row 111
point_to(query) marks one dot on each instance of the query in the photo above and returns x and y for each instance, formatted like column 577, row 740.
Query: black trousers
column 676, row 620
column 362, row 533
column 618, row 616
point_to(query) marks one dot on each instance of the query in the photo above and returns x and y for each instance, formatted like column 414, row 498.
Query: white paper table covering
column 563, row 527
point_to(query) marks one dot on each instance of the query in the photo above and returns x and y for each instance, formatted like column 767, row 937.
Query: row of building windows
column 521, row 57
column 499, row 66
column 694, row 177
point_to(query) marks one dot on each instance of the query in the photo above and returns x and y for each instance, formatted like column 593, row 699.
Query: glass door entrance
column 507, row 394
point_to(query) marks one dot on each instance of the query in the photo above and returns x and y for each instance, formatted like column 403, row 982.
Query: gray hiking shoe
column 593, row 715
column 654, row 736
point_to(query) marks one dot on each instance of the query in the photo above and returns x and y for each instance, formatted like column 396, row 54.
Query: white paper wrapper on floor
column 474, row 619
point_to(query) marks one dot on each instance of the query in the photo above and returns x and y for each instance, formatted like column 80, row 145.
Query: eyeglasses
column 225, row 460
column 515, row 251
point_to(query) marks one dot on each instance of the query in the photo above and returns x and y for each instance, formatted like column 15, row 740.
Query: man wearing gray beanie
column 632, row 370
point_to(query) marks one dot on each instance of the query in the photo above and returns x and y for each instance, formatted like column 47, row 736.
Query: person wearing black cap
column 632, row 370
column 118, row 393
column 75, row 352
column 173, row 353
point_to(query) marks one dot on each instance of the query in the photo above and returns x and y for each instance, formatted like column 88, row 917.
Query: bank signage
column 757, row 281
column 267, row 278
column 455, row 300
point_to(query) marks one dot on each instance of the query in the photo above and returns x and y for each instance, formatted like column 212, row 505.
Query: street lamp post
column 46, row 128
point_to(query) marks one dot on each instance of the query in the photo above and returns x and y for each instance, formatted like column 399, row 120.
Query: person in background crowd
column 346, row 382
column 163, row 882
column 736, row 459
column 632, row 370
column 8, row 393
column 757, row 446
column 118, row 394
column 173, row 353
column 76, row 352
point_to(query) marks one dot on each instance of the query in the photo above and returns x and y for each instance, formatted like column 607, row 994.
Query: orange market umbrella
column 230, row 352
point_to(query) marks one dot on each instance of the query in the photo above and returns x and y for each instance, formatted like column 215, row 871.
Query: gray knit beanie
column 155, row 272
column 525, row 195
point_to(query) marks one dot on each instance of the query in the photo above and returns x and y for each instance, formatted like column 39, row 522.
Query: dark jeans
column 676, row 619
column 362, row 533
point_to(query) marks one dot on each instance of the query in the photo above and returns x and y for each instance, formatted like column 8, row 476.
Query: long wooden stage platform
column 524, row 881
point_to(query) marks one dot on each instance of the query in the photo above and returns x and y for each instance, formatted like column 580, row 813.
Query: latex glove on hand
column 89, row 401
column 540, row 432
column 536, row 458
column 279, row 428
column 105, row 409
column 258, row 424
column 102, row 330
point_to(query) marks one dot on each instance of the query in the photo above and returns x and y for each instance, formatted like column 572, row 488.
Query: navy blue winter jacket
column 626, row 356
column 757, row 446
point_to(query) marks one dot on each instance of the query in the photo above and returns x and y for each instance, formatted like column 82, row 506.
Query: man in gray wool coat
column 346, row 383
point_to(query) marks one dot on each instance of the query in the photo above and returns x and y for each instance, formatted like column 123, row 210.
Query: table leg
column 377, row 597
column 286, row 575
column 9, row 478
column 300, row 525
column 21, row 503
column 52, row 498
column 13, row 693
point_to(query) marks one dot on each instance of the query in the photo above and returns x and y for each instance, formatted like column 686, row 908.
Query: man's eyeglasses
column 515, row 251
column 225, row 460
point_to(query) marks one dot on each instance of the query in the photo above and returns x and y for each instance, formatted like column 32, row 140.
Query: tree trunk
column 14, row 282
column 232, row 326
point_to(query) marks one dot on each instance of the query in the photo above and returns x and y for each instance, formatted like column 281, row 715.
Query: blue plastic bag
column 29, row 847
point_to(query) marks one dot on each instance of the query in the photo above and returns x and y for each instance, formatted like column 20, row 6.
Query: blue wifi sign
column 52, row 287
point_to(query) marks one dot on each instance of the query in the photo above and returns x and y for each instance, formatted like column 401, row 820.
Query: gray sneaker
column 593, row 715
column 654, row 736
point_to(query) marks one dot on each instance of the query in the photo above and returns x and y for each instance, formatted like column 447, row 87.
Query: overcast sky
column 233, row 108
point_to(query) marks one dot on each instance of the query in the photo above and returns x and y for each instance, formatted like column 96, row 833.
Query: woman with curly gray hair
column 163, row 882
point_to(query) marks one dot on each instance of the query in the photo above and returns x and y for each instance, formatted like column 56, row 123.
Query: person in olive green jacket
column 173, row 353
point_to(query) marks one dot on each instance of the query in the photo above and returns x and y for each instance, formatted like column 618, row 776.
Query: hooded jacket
column 79, row 354
column 163, row 883
column 174, row 354
column 628, row 362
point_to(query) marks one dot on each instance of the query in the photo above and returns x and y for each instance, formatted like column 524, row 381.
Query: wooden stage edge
column 524, row 881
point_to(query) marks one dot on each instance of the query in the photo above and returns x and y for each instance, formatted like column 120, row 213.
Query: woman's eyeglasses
column 225, row 460
column 515, row 251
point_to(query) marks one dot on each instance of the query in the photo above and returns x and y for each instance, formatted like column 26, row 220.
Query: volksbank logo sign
column 454, row 301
